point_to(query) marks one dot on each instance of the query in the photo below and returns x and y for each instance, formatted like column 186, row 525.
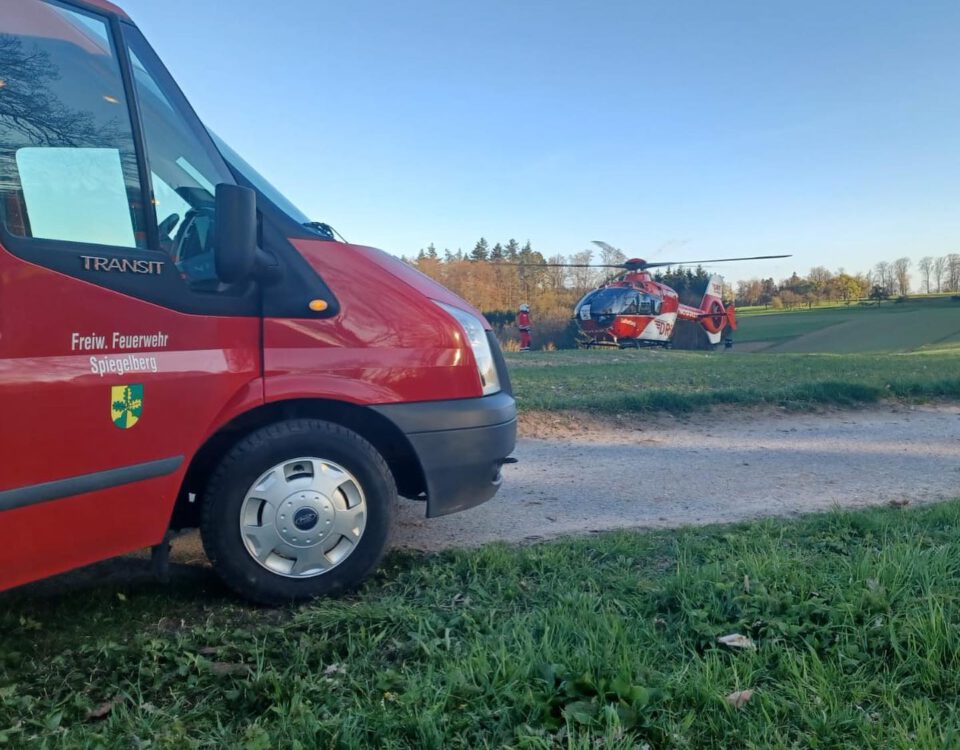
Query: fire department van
column 181, row 347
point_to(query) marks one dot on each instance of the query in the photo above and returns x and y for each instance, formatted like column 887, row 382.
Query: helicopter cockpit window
column 609, row 302
column 612, row 300
column 649, row 304
column 621, row 301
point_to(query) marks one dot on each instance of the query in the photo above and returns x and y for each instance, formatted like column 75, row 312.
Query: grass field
column 607, row 642
column 908, row 326
column 612, row 382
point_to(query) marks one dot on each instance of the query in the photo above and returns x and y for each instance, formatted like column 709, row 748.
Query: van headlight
column 477, row 338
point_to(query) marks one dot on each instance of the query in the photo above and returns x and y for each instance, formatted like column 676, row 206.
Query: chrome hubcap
column 303, row 517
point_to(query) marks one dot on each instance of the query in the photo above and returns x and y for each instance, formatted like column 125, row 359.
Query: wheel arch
column 376, row 429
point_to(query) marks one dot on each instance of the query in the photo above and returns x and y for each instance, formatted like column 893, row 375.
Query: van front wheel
column 298, row 509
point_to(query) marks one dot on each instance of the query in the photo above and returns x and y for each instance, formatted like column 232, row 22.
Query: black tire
column 257, row 453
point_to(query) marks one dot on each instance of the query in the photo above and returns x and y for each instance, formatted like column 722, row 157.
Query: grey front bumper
column 461, row 446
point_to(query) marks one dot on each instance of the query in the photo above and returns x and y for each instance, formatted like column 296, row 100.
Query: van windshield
column 259, row 181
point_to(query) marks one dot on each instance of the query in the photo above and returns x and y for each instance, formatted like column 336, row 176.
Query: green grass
column 612, row 382
column 605, row 642
column 907, row 326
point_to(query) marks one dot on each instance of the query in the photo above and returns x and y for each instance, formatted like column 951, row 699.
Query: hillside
column 907, row 326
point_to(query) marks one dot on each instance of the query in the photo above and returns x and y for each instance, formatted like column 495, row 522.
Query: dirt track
column 575, row 478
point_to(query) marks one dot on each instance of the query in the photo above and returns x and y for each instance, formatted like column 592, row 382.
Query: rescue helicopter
column 632, row 310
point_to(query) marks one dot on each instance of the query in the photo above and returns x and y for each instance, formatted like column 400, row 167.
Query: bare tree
column 926, row 269
column 749, row 292
column 819, row 279
column 31, row 108
column 882, row 275
column 557, row 274
column 901, row 274
column 953, row 272
column 583, row 279
column 939, row 270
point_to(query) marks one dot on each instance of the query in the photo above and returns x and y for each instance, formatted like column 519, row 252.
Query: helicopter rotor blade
column 555, row 265
column 564, row 265
column 638, row 266
column 606, row 246
column 713, row 260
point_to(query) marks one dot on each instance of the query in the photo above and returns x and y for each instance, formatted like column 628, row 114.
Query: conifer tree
column 481, row 251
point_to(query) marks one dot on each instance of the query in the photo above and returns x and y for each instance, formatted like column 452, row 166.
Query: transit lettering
column 121, row 265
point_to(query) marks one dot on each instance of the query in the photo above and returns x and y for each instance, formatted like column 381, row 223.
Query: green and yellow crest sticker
column 126, row 405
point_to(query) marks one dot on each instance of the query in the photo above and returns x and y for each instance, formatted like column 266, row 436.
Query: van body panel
column 67, row 348
column 396, row 269
column 389, row 343
column 41, row 540
column 125, row 355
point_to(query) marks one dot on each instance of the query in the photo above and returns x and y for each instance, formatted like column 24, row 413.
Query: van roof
column 107, row 6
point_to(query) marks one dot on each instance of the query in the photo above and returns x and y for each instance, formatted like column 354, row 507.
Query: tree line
column 498, row 278
column 937, row 275
column 940, row 274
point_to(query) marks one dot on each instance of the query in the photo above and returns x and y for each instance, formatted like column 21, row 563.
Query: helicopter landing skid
column 598, row 345
column 642, row 344
column 627, row 344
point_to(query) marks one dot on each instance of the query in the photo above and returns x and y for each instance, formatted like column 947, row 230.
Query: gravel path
column 575, row 478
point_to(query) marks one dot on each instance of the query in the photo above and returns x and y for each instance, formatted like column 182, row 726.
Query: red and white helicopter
column 634, row 310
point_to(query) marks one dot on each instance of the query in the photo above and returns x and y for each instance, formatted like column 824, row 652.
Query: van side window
column 68, row 168
column 184, row 168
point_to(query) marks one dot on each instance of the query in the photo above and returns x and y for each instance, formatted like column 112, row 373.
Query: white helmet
column 524, row 307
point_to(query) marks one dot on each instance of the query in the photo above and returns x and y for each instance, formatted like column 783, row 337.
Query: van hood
column 397, row 268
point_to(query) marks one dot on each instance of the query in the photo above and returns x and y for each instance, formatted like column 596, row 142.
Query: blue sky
column 830, row 130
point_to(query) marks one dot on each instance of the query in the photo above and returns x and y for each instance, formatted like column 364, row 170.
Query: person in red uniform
column 523, row 323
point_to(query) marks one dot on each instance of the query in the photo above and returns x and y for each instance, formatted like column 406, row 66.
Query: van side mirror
column 235, row 238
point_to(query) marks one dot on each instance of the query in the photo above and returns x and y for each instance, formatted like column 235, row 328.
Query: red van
column 181, row 347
